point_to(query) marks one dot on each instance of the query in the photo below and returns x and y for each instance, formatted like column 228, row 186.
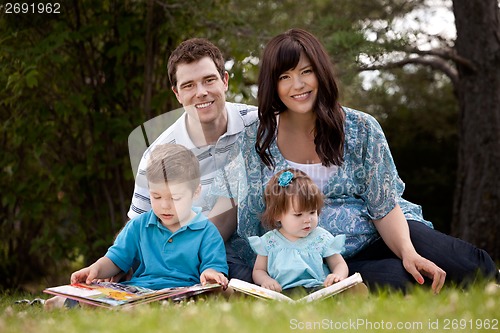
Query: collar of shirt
column 198, row 222
column 235, row 125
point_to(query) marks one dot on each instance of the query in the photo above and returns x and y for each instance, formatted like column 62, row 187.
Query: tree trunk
column 476, row 214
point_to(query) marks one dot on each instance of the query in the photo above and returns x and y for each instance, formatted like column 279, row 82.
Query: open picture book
column 260, row 292
column 117, row 295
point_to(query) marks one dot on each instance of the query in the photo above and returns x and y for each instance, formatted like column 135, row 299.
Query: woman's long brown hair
column 281, row 54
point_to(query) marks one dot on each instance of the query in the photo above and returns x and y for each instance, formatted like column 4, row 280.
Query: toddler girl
column 293, row 253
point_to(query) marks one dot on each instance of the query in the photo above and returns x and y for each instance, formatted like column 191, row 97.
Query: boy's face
column 201, row 90
column 172, row 203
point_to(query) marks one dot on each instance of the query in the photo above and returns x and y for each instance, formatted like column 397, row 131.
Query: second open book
column 260, row 292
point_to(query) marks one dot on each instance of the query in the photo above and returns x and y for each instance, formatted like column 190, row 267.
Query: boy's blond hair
column 173, row 163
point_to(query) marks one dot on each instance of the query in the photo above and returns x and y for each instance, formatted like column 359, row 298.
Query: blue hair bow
column 285, row 179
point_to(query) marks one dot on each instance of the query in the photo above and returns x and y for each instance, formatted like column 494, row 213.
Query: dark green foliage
column 71, row 96
column 418, row 112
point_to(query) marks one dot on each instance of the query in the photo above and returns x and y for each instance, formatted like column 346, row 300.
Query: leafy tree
column 418, row 112
column 472, row 65
column 71, row 94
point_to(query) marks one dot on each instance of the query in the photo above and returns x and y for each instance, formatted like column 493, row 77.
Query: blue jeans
column 461, row 261
column 238, row 268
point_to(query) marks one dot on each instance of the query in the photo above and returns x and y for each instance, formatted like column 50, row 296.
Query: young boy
column 174, row 244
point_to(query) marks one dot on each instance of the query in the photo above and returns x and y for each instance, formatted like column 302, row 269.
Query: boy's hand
column 120, row 277
column 271, row 284
column 331, row 279
column 86, row 275
column 211, row 275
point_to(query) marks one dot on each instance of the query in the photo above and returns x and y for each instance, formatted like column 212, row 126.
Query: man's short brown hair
column 192, row 50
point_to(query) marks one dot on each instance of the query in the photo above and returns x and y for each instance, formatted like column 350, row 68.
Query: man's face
column 201, row 90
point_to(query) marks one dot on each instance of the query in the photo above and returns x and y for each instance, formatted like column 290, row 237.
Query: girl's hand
column 332, row 278
column 271, row 284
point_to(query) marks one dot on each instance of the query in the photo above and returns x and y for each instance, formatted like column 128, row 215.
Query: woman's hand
column 417, row 266
column 393, row 228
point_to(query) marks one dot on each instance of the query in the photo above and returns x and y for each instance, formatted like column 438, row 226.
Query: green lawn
column 453, row 310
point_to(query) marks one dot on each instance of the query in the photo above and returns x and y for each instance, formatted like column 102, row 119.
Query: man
column 209, row 127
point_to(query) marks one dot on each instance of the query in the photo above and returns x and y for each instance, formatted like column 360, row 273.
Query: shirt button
column 170, row 240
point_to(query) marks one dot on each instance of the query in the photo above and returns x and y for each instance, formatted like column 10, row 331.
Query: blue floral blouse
column 364, row 188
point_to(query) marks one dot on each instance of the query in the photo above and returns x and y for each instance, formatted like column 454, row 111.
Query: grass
column 453, row 310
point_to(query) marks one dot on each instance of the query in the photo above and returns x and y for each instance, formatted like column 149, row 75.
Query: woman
column 302, row 125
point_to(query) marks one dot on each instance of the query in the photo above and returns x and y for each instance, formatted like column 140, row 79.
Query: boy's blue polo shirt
column 168, row 259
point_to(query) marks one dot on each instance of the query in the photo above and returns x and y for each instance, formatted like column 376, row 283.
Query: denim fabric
column 461, row 261
column 238, row 268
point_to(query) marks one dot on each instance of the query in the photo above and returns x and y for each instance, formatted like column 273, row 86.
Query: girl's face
column 298, row 87
column 297, row 224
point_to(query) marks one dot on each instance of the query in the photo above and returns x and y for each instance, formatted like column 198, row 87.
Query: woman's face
column 298, row 87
